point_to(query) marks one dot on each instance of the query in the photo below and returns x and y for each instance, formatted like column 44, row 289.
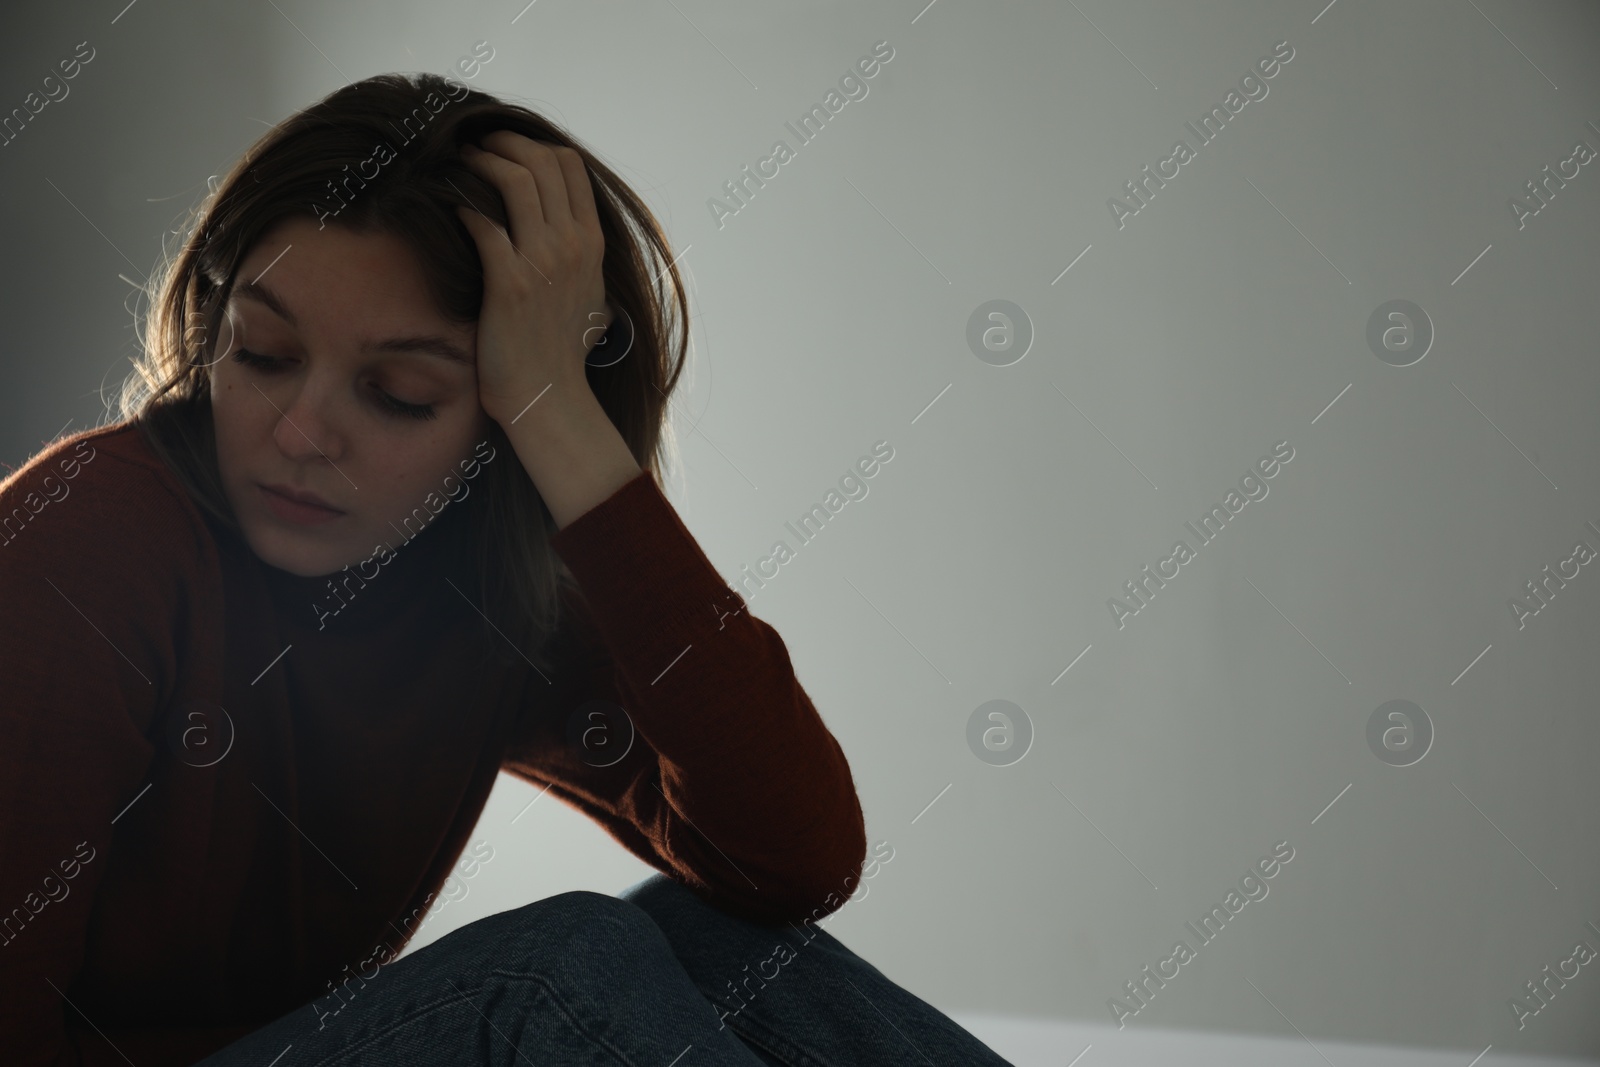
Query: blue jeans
column 653, row 977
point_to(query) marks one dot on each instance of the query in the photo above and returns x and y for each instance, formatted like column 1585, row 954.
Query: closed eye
column 390, row 405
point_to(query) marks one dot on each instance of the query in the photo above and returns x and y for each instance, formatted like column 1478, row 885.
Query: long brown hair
column 311, row 164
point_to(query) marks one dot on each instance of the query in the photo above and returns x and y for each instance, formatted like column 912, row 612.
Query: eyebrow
column 428, row 344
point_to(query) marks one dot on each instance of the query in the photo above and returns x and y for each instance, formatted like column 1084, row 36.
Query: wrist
column 571, row 451
column 538, row 405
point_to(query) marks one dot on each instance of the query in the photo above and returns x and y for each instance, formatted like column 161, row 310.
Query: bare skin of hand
column 544, row 307
column 543, row 289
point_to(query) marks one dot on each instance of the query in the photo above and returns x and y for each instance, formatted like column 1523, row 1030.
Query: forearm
column 736, row 781
column 570, row 449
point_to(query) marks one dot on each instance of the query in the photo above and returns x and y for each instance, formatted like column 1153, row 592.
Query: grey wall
column 1229, row 314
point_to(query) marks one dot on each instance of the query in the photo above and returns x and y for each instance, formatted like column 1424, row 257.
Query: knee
column 673, row 905
column 581, row 905
column 654, row 892
column 579, row 917
column 576, row 941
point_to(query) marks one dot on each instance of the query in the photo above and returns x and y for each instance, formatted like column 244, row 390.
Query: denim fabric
column 814, row 1003
column 653, row 977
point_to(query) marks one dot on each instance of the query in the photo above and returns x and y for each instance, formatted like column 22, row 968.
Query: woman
column 380, row 518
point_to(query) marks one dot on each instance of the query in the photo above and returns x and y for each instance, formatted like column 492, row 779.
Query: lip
column 301, row 496
column 293, row 507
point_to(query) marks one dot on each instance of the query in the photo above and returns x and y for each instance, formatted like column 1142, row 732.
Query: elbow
column 842, row 868
column 808, row 890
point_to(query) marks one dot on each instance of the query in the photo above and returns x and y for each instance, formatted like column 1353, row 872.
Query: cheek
column 242, row 423
column 410, row 474
column 227, row 419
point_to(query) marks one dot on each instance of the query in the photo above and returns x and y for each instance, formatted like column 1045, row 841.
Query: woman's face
column 361, row 403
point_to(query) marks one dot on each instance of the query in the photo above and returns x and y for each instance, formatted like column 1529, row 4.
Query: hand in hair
column 544, row 304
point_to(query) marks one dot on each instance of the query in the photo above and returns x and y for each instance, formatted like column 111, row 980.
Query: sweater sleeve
column 86, row 658
column 730, row 782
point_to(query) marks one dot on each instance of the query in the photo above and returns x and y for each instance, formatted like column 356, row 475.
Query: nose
column 307, row 425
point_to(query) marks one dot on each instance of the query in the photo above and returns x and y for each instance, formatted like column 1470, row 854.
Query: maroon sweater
column 160, row 898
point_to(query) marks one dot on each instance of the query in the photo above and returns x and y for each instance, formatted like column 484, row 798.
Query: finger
column 506, row 246
column 518, row 190
column 514, row 208
column 493, row 243
column 471, row 216
column 580, row 189
column 538, row 159
column 484, row 232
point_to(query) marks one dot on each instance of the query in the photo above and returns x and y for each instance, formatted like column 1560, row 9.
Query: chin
column 298, row 550
column 304, row 561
